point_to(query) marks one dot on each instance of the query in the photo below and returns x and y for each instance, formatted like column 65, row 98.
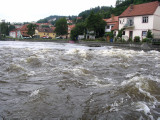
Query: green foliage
column 79, row 29
column 100, row 10
column 130, row 40
column 42, row 21
column 149, row 34
column 120, row 32
column 136, row 39
column 148, row 40
column 11, row 27
column 31, row 29
column 61, row 27
column 96, row 23
column 110, row 34
column 4, row 28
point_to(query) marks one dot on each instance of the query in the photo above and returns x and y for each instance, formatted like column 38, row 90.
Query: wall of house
column 41, row 34
column 156, row 23
column 12, row 34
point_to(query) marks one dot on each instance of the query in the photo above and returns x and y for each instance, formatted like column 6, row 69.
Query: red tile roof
column 70, row 27
column 115, row 27
column 141, row 9
column 47, row 30
column 112, row 19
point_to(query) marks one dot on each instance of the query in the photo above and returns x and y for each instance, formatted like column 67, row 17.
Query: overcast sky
column 33, row 10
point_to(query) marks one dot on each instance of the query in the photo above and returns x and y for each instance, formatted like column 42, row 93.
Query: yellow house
column 45, row 33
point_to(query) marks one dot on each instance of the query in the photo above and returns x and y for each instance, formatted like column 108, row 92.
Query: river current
column 62, row 81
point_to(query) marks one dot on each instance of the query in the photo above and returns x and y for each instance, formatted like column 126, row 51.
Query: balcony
column 129, row 24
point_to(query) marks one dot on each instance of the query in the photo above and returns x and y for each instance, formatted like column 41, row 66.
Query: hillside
column 107, row 11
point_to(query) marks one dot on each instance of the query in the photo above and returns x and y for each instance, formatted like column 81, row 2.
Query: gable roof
column 112, row 19
column 141, row 9
column 47, row 30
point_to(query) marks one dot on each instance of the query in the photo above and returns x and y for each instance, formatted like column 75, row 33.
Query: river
column 62, row 81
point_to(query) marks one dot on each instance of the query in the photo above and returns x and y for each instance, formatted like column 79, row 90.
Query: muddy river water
column 62, row 81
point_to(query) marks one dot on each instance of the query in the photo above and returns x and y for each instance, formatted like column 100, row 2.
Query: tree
column 96, row 23
column 79, row 29
column 42, row 21
column 149, row 34
column 61, row 27
column 11, row 27
column 31, row 29
column 4, row 28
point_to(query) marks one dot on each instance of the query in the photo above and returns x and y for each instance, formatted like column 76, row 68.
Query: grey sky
column 33, row 10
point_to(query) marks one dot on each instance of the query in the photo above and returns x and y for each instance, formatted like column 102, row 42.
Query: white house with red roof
column 138, row 19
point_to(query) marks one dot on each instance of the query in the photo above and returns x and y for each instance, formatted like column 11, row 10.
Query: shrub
column 130, row 40
column 136, row 39
column 149, row 34
column 146, row 40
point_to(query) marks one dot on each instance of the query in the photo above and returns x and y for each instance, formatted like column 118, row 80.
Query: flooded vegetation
column 66, row 81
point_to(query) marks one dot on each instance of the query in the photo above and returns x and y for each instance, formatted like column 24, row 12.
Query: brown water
column 51, row 81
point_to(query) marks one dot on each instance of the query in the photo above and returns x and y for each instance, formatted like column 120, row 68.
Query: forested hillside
column 120, row 6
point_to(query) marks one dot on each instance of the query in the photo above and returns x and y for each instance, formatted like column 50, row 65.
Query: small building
column 138, row 19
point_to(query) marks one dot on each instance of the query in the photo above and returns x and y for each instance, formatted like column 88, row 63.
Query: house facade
column 45, row 33
column 136, row 20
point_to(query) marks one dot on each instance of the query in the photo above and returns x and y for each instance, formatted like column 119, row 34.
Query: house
column 111, row 22
column 45, row 32
column 138, row 19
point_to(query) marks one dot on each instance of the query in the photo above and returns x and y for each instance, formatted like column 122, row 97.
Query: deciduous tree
column 61, row 27
column 31, row 29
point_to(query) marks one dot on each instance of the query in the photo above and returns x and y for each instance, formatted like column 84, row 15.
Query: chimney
column 131, row 6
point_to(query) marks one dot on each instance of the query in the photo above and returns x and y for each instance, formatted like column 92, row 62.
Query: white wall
column 156, row 23
column 12, row 34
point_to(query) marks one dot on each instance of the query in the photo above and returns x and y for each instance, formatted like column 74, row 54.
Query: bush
column 149, row 34
column 130, row 40
column 148, row 40
column 136, row 39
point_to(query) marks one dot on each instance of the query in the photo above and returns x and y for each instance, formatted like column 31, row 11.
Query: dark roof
column 141, row 9
column 48, row 30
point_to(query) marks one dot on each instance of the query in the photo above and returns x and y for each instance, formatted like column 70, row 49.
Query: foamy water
column 74, row 82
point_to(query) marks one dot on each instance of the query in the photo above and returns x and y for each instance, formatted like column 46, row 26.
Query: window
column 144, row 33
column 123, row 33
column 44, row 33
column 108, row 27
column 145, row 19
